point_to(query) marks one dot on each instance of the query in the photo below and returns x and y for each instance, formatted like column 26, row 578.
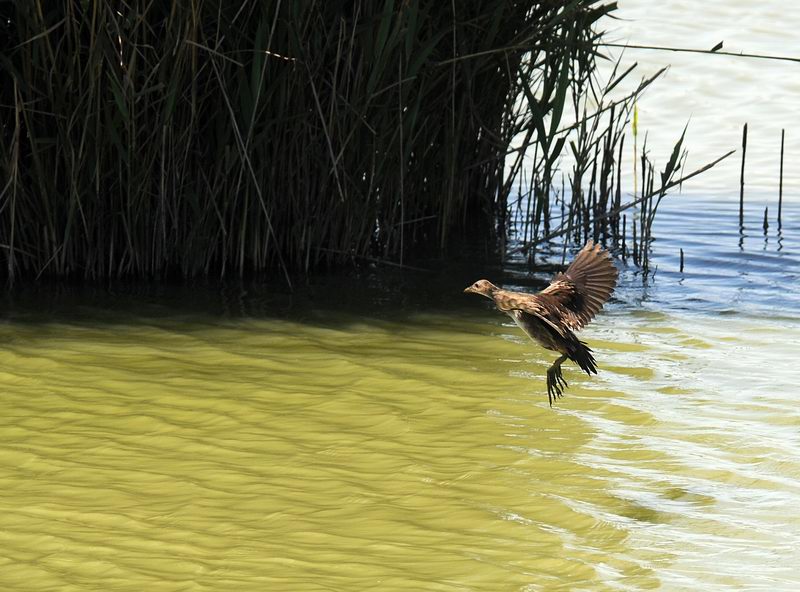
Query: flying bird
column 569, row 303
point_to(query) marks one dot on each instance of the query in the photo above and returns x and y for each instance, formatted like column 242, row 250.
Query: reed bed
column 204, row 137
column 589, row 204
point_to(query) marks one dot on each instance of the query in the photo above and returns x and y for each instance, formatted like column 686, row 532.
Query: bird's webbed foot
column 555, row 381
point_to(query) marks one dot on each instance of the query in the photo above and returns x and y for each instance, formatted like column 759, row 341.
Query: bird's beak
column 469, row 290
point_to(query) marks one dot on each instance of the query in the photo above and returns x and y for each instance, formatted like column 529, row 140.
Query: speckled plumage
column 568, row 304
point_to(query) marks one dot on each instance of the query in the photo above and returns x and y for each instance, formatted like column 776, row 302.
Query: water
column 717, row 95
column 384, row 431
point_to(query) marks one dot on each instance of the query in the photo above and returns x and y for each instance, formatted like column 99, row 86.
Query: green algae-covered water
column 383, row 431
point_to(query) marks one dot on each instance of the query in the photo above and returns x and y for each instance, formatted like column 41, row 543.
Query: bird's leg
column 555, row 380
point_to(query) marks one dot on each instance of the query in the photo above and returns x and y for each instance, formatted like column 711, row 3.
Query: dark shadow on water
column 361, row 293
column 641, row 513
column 720, row 269
column 364, row 293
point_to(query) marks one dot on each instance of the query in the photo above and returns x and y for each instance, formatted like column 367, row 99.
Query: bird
column 568, row 304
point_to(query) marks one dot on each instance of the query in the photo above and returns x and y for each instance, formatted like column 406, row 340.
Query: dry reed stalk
column 780, row 180
column 741, row 178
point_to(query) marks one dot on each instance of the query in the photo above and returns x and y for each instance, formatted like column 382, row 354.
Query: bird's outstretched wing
column 580, row 292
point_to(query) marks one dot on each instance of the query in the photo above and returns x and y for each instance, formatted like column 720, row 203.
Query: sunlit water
column 386, row 432
column 716, row 95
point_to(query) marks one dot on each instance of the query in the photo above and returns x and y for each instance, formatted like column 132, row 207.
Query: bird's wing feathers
column 581, row 291
column 573, row 298
column 531, row 304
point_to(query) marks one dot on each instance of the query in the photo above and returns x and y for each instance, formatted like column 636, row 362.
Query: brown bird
column 569, row 303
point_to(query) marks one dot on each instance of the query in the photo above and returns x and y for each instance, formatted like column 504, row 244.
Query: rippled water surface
column 386, row 432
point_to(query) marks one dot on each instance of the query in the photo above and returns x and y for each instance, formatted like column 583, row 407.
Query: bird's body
column 566, row 305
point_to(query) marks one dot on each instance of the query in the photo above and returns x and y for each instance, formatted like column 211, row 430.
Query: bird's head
column 482, row 287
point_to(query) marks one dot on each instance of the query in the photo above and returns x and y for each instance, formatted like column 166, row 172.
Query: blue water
column 727, row 270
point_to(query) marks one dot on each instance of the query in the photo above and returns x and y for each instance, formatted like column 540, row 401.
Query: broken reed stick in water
column 624, row 243
column 681, row 260
column 713, row 51
column 780, row 181
column 741, row 179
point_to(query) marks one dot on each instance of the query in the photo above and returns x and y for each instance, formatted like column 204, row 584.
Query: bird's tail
column 580, row 353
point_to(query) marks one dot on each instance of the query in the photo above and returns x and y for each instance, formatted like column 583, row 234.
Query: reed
column 741, row 178
column 205, row 137
column 780, row 180
column 598, row 218
column 595, row 202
